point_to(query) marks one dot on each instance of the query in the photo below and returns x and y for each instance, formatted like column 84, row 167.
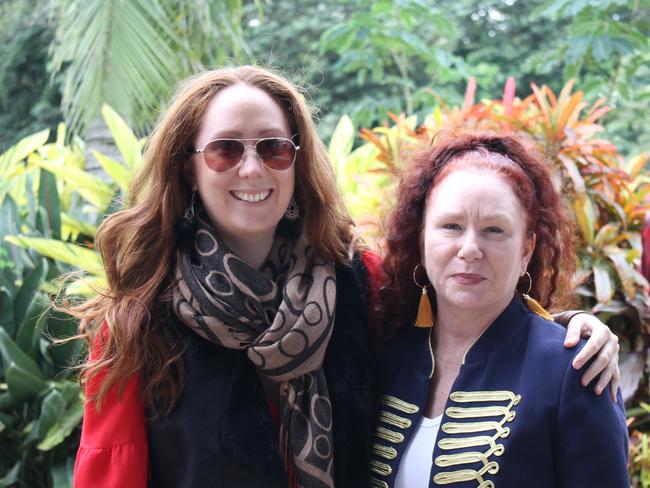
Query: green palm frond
column 120, row 52
column 211, row 32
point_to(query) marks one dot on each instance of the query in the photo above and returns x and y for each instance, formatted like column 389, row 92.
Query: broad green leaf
column 32, row 326
column 62, row 474
column 126, row 141
column 66, row 252
column 48, row 198
column 63, row 427
column 52, row 409
column 91, row 188
column 7, row 403
column 22, row 384
column 13, row 355
column 31, row 283
column 11, row 478
column 118, row 173
column 7, row 311
column 586, row 216
column 603, row 284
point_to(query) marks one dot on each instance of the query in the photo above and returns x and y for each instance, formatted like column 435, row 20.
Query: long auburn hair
column 526, row 170
column 137, row 244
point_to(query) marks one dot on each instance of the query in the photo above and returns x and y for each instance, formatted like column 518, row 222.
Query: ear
column 529, row 247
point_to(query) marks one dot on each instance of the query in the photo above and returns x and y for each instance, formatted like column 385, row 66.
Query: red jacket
column 114, row 452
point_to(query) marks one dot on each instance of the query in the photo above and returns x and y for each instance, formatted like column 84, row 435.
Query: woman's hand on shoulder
column 602, row 344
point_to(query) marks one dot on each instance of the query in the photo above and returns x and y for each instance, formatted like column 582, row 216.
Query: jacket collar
column 498, row 332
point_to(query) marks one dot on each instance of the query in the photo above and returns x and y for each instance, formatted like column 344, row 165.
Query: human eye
column 451, row 226
column 493, row 229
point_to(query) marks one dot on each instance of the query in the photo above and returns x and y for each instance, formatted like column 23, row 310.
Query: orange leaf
column 470, row 92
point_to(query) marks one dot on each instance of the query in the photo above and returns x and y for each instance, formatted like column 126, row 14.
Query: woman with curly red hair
column 481, row 392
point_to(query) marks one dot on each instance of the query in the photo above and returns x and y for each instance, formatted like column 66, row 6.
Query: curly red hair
column 527, row 171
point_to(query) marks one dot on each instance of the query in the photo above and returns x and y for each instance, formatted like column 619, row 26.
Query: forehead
column 470, row 189
column 240, row 108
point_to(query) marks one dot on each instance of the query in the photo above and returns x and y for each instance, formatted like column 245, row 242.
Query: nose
column 251, row 165
column 470, row 249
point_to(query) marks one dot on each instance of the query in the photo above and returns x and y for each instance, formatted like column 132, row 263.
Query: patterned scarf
column 282, row 316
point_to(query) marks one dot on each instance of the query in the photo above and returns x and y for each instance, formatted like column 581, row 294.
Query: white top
column 415, row 465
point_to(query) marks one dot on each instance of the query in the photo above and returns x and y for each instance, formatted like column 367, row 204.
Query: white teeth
column 252, row 197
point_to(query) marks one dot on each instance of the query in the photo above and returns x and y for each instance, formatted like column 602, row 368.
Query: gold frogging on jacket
column 494, row 448
column 390, row 435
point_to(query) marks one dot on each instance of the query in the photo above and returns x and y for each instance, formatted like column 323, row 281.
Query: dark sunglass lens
column 276, row 153
column 223, row 154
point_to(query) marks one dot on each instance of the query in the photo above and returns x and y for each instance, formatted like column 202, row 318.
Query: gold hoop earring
column 425, row 317
column 530, row 283
column 532, row 304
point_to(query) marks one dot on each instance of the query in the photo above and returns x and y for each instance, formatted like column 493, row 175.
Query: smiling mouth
column 251, row 197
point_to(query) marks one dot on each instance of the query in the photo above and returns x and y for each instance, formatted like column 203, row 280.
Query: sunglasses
column 276, row 153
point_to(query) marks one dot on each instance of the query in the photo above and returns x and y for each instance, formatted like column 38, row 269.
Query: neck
column 458, row 329
column 252, row 249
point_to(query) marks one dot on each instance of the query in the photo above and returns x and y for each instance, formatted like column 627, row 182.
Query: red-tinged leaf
column 603, row 284
column 545, row 110
column 574, row 173
column 637, row 164
column 470, row 92
column 568, row 106
column 509, row 95
column 597, row 112
column 611, row 206
column 566, row 90
column 551, row 96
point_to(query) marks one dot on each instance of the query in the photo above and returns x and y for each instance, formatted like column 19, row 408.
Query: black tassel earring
column 185, row 226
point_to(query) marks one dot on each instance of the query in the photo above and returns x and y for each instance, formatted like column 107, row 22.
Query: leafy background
column 82, row 82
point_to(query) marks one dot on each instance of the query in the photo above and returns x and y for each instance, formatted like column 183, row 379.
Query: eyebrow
column 227, row 134
column 459, row 216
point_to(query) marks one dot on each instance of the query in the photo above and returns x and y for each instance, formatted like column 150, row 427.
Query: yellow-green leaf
column 126, row 141
column 120, row 174
column 90, row 187
column 586, row 216
column 66, row 252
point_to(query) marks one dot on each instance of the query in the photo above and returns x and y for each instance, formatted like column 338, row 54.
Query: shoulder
column 547, row 337
column 374, row 265
column 365, row 269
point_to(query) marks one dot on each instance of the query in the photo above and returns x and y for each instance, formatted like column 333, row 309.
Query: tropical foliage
column 50, row 208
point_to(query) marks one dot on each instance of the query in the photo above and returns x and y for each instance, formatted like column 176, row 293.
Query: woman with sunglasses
column 236, row 317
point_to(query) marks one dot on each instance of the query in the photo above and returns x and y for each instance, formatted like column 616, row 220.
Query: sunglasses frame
column 246, row 146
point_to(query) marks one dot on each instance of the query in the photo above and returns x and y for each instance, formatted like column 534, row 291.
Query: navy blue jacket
column 517, row 415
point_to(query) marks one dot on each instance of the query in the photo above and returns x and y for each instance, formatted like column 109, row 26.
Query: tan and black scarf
column 282, row 315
